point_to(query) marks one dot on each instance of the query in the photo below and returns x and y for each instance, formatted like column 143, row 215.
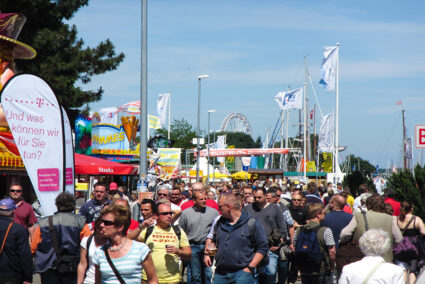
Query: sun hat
column 10, row 26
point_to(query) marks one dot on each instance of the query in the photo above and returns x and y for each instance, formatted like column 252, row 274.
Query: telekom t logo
column 39, row 102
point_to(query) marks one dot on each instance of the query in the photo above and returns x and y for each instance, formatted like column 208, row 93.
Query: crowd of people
column 221, row 233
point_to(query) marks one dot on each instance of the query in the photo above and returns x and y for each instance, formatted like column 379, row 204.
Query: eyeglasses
column 15, row 190
column 162, row 194
column 107, row 222
column 165, row 213
column 296, row 199
column 258, row 197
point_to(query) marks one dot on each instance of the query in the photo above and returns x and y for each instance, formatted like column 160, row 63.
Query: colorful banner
column 34, row 117
column 9, row 153
column 169, row 156
column 83, row 135
column 111, row 140
column 327, row 163
column 154, row 122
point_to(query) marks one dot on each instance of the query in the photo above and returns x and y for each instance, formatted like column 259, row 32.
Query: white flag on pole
column 161, row 107
column 290, row 100
column 328, row 71
column 326, row 134
column 220, row 144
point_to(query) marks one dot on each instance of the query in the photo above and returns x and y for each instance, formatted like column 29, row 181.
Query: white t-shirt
column 90, row 271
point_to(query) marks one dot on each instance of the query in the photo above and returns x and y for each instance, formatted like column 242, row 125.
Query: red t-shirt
column 24, row 215
column 395, row 205
column 210, row 203
column 347, row 209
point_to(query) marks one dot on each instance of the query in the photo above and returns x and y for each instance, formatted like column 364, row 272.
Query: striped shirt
column 129, row 266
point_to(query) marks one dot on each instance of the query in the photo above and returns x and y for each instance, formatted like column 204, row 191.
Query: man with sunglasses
column 24, row 213
column 166, row 246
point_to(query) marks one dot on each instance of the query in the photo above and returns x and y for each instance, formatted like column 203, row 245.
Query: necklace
column 118, row 248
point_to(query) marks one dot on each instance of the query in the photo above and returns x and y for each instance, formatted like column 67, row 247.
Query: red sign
column 242, row 152
column 420, row 136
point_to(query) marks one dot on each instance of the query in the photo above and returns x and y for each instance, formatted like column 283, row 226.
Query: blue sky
column 254, row 49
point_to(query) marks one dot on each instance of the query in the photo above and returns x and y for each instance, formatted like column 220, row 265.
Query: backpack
column 89, row 240
column 176, row 229
column 307, row 249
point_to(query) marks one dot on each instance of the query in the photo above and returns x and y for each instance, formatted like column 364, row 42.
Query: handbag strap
column 372, row 272
column 411, row 220
column 5, row 237
column 53, row 235
column 111, row 264
column 365, row 221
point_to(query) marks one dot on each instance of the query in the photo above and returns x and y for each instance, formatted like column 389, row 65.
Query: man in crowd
column 196, row 221
column 271, row 217
column 15, row 256
column 247, row 192
column 299, row 214
column 164, row 192
column 148, row 208
column 91, row 209
column 318, row 273
column 176, row 195
column 312, row 197
column 337, row 219
column 23, row 214
column 372, row 268
column 69, row 229
column 168, row 244
column 198, row 186
column 246, row 238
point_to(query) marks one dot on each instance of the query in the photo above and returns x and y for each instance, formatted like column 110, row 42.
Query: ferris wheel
column 236, row 122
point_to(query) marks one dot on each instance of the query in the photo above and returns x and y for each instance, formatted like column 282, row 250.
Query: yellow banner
column 327, row 162
column 154, row 122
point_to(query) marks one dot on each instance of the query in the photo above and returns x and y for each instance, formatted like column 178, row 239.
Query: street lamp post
column 198, row 124
column 208, row 168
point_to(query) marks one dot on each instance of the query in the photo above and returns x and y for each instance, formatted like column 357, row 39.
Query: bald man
column 337, row 219
column 198, row 186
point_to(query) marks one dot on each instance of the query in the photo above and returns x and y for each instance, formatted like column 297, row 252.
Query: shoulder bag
column 111, row 264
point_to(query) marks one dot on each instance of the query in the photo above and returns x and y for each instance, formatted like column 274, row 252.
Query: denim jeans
column 238, row 277
column 268, row 272
column 282, row 271
column 197, row 271
column 316, row 279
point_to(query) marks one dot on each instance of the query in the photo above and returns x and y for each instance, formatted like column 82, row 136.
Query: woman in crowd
column 86, row 269
column 127, row 257
column 413, row 228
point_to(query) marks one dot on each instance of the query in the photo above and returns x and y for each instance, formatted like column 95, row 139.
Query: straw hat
column 10, row 26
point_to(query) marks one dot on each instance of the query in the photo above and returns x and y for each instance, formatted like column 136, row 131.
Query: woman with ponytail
column 412, row 228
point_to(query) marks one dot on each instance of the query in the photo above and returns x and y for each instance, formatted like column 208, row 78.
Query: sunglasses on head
column 107, row 222
column 15, row 190
column 165, row 213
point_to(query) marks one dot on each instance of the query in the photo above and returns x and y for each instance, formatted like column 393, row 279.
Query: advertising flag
column 329, row 64
column 290, row 100
column 154, row 122
column 326, row 134
column 69, row 154
column 161, row 107
column 220, row 144
column 34, row 117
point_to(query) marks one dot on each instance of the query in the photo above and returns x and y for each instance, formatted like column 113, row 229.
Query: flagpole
column 169, row 115
column 305, row 134
column 337, row 115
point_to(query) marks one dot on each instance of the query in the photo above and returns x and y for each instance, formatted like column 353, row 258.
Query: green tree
column 410, row 187
column 62, row 59
column 354, row 180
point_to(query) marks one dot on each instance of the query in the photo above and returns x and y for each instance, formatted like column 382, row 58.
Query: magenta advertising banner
column 35, row 120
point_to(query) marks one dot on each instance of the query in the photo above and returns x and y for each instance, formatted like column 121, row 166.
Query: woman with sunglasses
column 127, row 258
column 86, row 269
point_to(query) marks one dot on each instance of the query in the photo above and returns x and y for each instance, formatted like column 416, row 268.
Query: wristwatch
column 251, row 268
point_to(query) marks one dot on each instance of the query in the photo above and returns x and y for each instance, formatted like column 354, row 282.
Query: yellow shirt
column 166, row 265
column 350, row 201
